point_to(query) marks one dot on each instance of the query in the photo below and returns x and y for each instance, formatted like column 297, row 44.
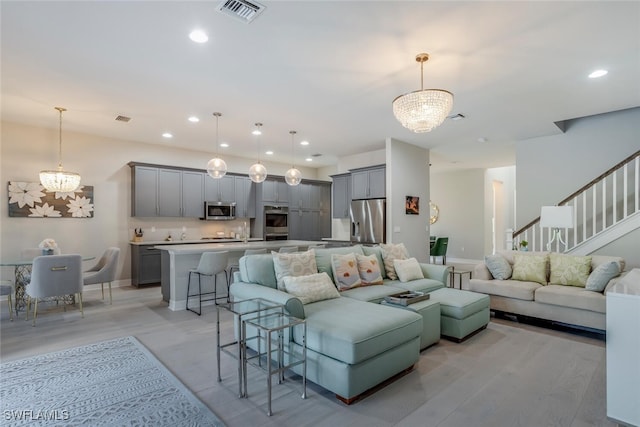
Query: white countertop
column 629, row 284
column 191, row 241
column 235, row 246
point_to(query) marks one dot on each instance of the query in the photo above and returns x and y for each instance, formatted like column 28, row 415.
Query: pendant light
column 59, row 180
column 425, row 109
column 293, row 175
column 257, row 171
column 217, row 168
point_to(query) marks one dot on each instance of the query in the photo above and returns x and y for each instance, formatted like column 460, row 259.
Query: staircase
column 603, row 210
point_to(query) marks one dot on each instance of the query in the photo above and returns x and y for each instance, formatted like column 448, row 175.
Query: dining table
column 22, row 274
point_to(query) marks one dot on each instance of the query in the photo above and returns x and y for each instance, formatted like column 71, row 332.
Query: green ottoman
column 430, row 312
column 462, row 312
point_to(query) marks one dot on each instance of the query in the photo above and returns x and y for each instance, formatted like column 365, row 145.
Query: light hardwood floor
column 508, row 375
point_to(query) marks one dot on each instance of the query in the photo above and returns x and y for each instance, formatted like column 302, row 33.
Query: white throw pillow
column 408, row 269
column 498, row 266
column 369, row 269
column 293, row 264
column 311, row 288
column 391, row 252
column 345, row 271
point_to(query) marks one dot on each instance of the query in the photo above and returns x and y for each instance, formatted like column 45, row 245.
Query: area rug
column 110, row 383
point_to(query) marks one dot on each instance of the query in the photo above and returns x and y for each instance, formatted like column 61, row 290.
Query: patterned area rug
column 110, row 383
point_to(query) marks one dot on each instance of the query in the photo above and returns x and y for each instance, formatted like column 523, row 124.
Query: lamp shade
column 257, row 172
column 423, row 110
column 556, row 217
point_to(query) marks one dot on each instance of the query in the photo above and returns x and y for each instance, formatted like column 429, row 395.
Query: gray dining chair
column 236, row 266
column 211, row 265
column 8, row 288
column 288, row 249
column 104, row 271
column 52, row 276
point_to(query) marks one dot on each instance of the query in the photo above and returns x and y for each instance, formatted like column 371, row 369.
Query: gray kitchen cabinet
column 310, row 211
column 220, row 190
column 193, row 194
column 274, row 191
column 144, row 192
column 368, row 183
column 169, row 192
column 245, row 197
column 341, row 195
column 145, row 265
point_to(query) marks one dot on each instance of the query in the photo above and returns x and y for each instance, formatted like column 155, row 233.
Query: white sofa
column 572, row 305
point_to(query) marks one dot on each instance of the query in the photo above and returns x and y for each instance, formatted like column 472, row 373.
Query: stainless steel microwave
column 219, row 211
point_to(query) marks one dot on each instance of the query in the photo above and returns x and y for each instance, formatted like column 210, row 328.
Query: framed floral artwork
column 30, row 199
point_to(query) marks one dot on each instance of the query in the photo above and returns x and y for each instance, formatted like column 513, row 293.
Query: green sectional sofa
column 353, row 342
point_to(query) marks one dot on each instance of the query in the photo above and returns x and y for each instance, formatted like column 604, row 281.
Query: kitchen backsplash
column 156, row 229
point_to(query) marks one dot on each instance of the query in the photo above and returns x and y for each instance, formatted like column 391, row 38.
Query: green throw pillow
column 569, row 270
column 601, row 275
column 530, row 268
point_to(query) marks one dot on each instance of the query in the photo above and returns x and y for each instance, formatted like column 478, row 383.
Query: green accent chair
column 439, row 249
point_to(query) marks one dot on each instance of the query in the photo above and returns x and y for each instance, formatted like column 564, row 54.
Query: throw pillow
column 369, row 269
column 311, row 288
column 391, row 252
column 345, row 271
column 408, row 269
column 569, row 270
column 601, row 275
column 293, row 264
column 530, row 268
column 498, row 266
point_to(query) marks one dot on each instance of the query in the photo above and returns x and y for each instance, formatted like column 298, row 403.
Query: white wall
column 102, row 163
column 552, row 167
column 407, row 174
column 461, row 198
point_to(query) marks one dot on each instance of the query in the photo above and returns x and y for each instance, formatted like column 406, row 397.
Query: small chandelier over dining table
column 425, row 109
column 59, row 180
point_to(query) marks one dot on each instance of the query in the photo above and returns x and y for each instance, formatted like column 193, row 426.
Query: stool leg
column 10, row 307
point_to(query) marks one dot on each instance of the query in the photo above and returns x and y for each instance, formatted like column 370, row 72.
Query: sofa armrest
column 480, row 271
column 242, row 291
column 436, row 272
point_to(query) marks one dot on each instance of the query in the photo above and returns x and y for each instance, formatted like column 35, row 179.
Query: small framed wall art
column 412, row 205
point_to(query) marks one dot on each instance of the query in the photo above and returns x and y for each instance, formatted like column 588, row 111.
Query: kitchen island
column 177, row 260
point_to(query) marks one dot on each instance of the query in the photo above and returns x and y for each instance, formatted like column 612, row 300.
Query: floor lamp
column 556, row 217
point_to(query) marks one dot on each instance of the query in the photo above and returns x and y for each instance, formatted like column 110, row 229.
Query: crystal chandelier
column 59, row 180
column 424, row 109
column 293, row 175
column 257, row 171
column 216, row 167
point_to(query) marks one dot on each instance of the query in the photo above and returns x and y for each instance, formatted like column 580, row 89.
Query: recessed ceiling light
column 304, row 142
column 198, row 36
column 193, row 119
column 308, row 159
column 598, row 73
column 167, row 135
column 224, row 145
column 256, row 132
column 482, row 139
column 269, row 153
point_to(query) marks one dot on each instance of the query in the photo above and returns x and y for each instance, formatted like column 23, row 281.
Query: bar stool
column 288, row 249
column 236, row 266
column 7, row 288
column 211, row 264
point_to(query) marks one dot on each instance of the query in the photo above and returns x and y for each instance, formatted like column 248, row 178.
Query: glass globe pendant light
column 257, row 171
column 59, row 180
column 293, row 175
column 216, row 167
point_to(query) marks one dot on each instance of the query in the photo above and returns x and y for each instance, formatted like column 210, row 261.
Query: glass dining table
column 22, row 273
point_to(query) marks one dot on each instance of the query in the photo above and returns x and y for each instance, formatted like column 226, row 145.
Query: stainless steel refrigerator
column 368, row 224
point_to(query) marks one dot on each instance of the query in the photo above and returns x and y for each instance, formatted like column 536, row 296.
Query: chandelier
column 293, row 175
column 59, row 180
column 424, row 109
column 216, row 167
column 257, row 171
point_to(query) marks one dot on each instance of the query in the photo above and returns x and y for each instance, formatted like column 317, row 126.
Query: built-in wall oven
column 276, row 223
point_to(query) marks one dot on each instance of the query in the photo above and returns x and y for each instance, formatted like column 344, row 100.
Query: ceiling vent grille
column 242, row 10
column 123, row 119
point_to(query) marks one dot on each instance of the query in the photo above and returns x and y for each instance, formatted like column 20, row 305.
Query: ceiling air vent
column 243, row 10
column 123, row 119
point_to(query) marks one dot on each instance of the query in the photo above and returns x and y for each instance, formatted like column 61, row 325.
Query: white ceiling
column 326, row 69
